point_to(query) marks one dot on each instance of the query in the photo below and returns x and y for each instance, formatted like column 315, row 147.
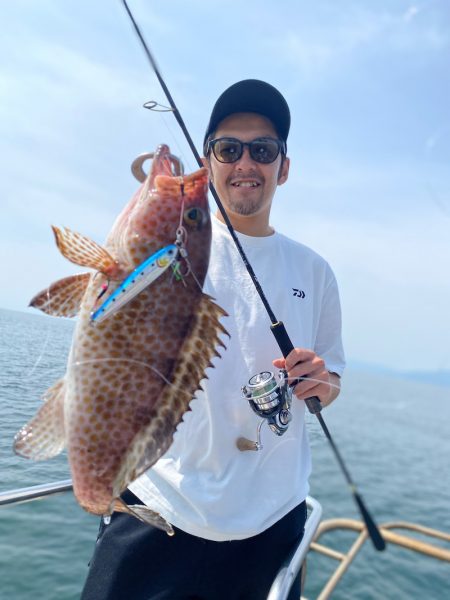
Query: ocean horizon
column 439, row 376
column 391, row 427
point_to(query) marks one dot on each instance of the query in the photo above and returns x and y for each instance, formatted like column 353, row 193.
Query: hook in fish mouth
column 137, row 166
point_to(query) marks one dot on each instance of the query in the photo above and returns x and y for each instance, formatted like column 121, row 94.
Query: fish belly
column 117, row 373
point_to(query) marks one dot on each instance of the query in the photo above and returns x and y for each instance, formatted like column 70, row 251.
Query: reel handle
column 286, row 346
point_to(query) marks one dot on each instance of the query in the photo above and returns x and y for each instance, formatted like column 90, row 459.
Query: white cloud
column 411, row 13
column 318, row 46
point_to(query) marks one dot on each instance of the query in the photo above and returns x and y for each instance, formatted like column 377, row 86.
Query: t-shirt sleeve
column 328, row 343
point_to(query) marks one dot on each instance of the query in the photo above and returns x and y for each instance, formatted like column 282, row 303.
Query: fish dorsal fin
column 43, row 436
column 195, row 355
column 63, row 297
column 83, row 251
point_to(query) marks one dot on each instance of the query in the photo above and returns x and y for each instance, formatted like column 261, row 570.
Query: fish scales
column 131, row 377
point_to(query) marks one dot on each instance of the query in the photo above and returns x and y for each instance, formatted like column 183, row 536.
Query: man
column 237, row 514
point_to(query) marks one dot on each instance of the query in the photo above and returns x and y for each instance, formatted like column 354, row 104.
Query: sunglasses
column 262, row 150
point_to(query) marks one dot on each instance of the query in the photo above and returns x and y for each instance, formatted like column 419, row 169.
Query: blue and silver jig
column 149, row 270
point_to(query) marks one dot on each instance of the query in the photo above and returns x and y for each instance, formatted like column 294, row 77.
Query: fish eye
column 193, row 216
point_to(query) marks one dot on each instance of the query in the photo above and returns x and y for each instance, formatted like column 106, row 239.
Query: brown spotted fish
column 130, row 378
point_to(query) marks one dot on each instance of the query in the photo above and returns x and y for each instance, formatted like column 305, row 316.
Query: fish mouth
column 163, row 162
column 194, row 187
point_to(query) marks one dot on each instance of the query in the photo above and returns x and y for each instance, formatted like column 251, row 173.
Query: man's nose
column 245, row 159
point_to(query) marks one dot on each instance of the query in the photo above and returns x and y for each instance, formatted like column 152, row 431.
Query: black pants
column 135, row 561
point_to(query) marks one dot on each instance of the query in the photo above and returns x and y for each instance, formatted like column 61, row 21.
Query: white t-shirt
column 204, row 484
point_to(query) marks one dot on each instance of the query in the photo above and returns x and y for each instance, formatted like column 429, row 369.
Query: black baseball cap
column 252, row 95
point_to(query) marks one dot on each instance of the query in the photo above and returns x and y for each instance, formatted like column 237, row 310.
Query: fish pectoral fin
column 85, row 252
column 43, row 436
column 63, row 297
column 144, row 514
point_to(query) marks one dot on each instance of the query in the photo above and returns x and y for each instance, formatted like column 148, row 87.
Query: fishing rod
column 277, row 327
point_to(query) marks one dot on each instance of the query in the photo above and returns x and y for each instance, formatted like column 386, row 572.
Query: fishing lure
column 147, row 272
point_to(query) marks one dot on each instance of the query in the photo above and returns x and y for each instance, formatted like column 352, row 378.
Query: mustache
column 241, row 176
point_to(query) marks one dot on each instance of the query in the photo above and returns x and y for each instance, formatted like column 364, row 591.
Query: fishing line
column 277, row 327
column 177, row 144
column 433, row 193
column 46, row 341
column 298, row 379
column 39, row 358
column 79, row 363
column 161, row 109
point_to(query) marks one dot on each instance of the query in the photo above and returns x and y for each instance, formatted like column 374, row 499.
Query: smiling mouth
column 245, row 184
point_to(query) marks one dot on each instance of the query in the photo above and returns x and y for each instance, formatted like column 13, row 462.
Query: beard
column 244, row 207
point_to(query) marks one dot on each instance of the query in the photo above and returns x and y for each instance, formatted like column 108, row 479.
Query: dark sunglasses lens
column 227, row 151
column 264, row 151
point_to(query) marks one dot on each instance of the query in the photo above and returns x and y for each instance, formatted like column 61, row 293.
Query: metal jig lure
column 147, row 272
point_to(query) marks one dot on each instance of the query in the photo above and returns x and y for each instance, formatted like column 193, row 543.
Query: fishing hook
column 277, row 327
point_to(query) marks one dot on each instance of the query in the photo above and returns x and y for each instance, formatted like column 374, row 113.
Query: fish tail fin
column 43, row 436
column 144, row 514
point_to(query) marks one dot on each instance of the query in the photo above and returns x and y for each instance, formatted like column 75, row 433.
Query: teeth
column 245, row 184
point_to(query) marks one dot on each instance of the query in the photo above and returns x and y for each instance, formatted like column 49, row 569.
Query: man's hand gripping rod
column 277, row 327
column 314, row 406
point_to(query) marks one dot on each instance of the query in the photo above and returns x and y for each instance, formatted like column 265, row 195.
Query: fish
column 130, row 378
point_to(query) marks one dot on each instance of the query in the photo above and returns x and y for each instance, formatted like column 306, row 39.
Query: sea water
column 393, row 433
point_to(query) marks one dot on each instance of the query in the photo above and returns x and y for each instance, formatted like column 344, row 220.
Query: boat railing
column 391, row 537
column 286, row 575
column 35, row 492
column 290, row 568
column 314, row 530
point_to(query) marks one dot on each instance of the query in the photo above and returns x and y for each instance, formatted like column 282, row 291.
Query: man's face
column 247, row 187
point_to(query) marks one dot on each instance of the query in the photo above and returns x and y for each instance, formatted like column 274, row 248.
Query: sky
column 369, row 187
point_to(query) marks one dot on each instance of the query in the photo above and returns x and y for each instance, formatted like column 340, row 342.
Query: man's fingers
column 298, row 355
column 316, row 383
column 279, row 363
column 303, row 385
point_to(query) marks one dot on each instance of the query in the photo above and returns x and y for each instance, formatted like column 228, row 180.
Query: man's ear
column 284, row 171
column 207, row 163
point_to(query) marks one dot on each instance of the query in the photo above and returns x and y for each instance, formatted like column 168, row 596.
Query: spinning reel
column 271, row 400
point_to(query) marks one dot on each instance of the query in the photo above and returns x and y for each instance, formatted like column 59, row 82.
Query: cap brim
column 255, row 96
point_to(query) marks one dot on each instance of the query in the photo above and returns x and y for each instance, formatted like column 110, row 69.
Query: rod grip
column 281, row 335
column 286, row 346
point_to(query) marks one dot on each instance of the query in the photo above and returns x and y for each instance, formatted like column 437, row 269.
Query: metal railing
column 286, row 575
column 290, row 568
column 391, row 537
column 34, row 492
column 314, row 529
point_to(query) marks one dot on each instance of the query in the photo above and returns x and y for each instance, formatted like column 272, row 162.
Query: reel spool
column 271, row 400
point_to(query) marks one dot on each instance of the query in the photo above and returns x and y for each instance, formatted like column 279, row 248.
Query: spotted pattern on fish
column 131, row 377
column 195, row 356
column 83, row 251
column 63, row 298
